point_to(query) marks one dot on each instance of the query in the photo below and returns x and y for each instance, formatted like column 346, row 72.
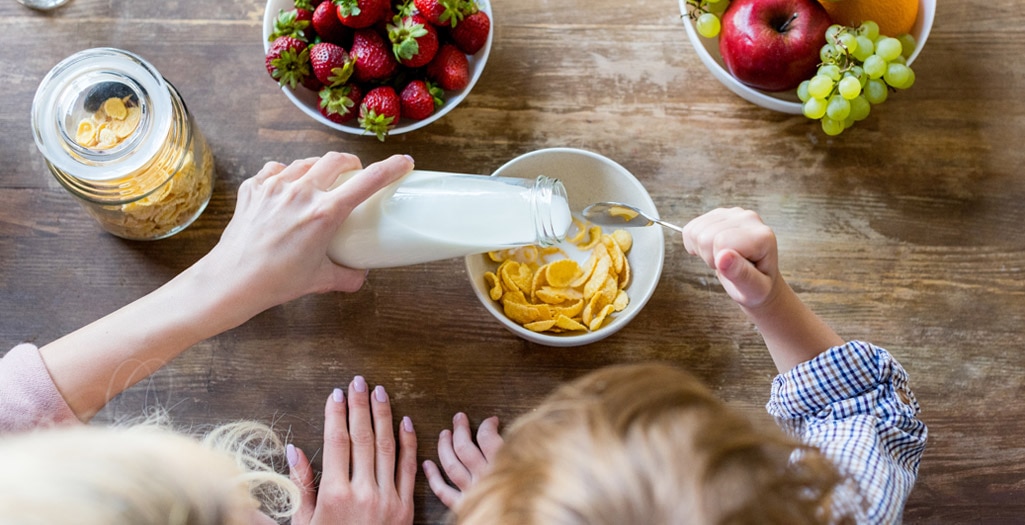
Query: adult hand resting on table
column 358, row 438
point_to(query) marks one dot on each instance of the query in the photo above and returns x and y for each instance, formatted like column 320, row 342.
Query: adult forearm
column 97, row 362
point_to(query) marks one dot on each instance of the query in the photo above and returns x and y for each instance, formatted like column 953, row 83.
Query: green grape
column 802, row 91
column 832, row 32
column 716, row 7
column 865, row 48
column 911, row 79
column 838, row 108
column 849, row 41
column 830, row 70
column 875, row 66
column 876, row 91
column 897, row 75
column 708, row 25
column 814, row 108
column 908, row 44
column 820, row 86
column 848, row 122
column 888, row 48
column 860, row 108
column 870, row 29
column 849, row 87
column 858, row 72
column 832, row 127
column 827, row 53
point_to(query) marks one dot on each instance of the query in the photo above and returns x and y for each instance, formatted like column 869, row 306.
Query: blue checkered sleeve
column 853, row 403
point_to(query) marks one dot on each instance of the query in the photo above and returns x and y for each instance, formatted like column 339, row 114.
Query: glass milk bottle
column 430, row 215
column 118, row 137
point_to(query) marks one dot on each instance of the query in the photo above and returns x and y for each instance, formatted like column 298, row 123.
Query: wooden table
column 906, row 230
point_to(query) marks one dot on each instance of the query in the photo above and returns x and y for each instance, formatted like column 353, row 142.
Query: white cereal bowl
column 786, row 101
column 589, row 178
column 307, row 101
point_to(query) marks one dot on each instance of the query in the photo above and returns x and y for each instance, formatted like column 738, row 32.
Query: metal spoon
column 623, row 215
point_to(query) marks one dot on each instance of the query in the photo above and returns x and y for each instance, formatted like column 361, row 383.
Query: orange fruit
column 895, row 17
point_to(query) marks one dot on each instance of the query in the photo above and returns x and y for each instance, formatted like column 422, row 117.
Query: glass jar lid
column 79, row 87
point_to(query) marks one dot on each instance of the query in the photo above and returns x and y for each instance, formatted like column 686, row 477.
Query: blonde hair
column 647, row 444
column 143, row 474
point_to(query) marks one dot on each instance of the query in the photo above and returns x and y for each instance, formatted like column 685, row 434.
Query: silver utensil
column 622, row 215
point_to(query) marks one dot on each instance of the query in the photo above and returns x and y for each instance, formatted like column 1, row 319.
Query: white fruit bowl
column 306, row 100
column 785, row 101
column 588, row 178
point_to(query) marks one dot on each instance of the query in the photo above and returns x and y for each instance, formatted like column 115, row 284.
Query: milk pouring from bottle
column 430, row 215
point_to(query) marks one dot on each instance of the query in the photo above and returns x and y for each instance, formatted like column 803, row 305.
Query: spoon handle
column 667, row 225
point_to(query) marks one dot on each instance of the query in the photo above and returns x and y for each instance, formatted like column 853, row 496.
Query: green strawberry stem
column 377, row 124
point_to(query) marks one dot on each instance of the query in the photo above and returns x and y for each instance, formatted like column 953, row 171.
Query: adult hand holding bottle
column 286, row 216
column 273, row 250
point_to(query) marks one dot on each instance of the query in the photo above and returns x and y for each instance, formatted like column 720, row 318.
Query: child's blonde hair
column 143, row 474
column 650, row 444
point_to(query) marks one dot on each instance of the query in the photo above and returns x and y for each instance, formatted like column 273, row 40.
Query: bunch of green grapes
column 706, row 15
column 859, row 68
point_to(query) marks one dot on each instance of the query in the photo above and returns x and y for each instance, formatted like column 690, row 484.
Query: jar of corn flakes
column 118, row 137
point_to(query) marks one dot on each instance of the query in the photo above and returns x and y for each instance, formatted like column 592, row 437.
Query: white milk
column 429, row 216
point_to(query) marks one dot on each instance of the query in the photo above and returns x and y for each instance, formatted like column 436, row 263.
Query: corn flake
column 626, row 213
column 544, row 290
column 562, row 272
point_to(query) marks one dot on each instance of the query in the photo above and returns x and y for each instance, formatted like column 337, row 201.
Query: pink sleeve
column 28, row 397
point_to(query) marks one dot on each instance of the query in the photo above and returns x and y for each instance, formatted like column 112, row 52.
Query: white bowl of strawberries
column 369, row 67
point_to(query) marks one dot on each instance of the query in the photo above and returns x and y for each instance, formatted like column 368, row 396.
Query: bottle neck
column 550, row 208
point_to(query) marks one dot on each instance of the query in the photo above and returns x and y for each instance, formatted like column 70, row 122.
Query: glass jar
column 430, row 215
column 118, row 137
column 43, row 5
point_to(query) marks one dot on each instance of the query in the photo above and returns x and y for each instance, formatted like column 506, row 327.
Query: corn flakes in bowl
column 593, row 283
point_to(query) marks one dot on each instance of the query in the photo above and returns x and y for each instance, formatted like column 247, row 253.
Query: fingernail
column 410, row 158
column 458, row 416
column 380, row 395
column 359, row 384
column 338, row 395
column 407, row 424
column 291, row 455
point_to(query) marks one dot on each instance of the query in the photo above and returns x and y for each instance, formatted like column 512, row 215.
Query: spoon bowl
column 622, row 215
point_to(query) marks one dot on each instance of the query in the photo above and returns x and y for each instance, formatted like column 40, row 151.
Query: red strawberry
column 339, row 103
column 326, row 24
column 308, row 5
column 441, row 12
column 293, row 23
column 288, row 61
column 373, row 58
column 414, row 40
column 362, row 13
column 420, row 99
column 311, row 83
column 380, row 111
column 331, row 64
column 450, row 68
column 405, row 8
column 472, row 32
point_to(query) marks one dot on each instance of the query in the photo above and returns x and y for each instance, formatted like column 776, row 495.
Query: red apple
column 773, row 45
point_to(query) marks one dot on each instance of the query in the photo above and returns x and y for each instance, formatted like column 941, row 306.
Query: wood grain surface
column 905, row 231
